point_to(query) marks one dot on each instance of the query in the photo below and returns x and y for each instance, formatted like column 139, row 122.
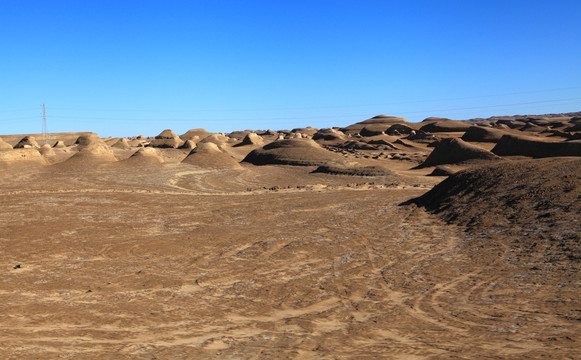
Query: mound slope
column 188, row 144
column 308, row 131
column 528, row 199
column 122, row 143
column 217, row 139
column 144, row 156
column 353, row 170
column 442, row 171
column 4, row 145
column 452, row 151
column 445, row 126
column 328, row 134
column 527, row 146
column 27, row 142
column 209, row 155
column 17, row 157
column 59, row 144
column 166, row 139
column 305, row 152
column 46, row 150
column 251, row 139
column 194, row 134
column 92, row 150
column 378, row 123
column 482, row 134
column 399, row 129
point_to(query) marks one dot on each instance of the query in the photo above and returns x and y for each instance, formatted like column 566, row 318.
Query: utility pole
column 45, row 138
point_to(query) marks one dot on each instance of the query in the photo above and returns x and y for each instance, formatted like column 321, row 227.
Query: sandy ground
column 176, row 262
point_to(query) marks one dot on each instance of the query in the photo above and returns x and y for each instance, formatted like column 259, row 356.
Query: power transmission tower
column 45, row 137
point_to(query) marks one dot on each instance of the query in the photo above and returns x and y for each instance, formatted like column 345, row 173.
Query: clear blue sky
column 125, row 68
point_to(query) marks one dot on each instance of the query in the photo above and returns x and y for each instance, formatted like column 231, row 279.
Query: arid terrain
column 383, row 239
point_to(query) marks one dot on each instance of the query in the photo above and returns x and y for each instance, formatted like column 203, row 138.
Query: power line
column 325, row 107
column 326, row 116
column 45, row 138
column 339, row 116
column 493, row 106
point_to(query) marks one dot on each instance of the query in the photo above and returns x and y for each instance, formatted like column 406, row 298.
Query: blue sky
column 122, row 68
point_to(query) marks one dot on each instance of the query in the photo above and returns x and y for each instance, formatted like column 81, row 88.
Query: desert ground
column 383, row 239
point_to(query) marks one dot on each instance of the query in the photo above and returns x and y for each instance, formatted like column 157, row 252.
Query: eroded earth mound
column 482, row 134
column 209, row 155
column 535, row 147
column 453, row 151
column 293, row 152
column 534, row 200
column 167, row 139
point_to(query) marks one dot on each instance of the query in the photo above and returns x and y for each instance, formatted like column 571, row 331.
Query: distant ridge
column 521, row 117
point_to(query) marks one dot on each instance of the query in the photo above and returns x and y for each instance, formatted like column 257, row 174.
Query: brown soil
column 144, row 259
